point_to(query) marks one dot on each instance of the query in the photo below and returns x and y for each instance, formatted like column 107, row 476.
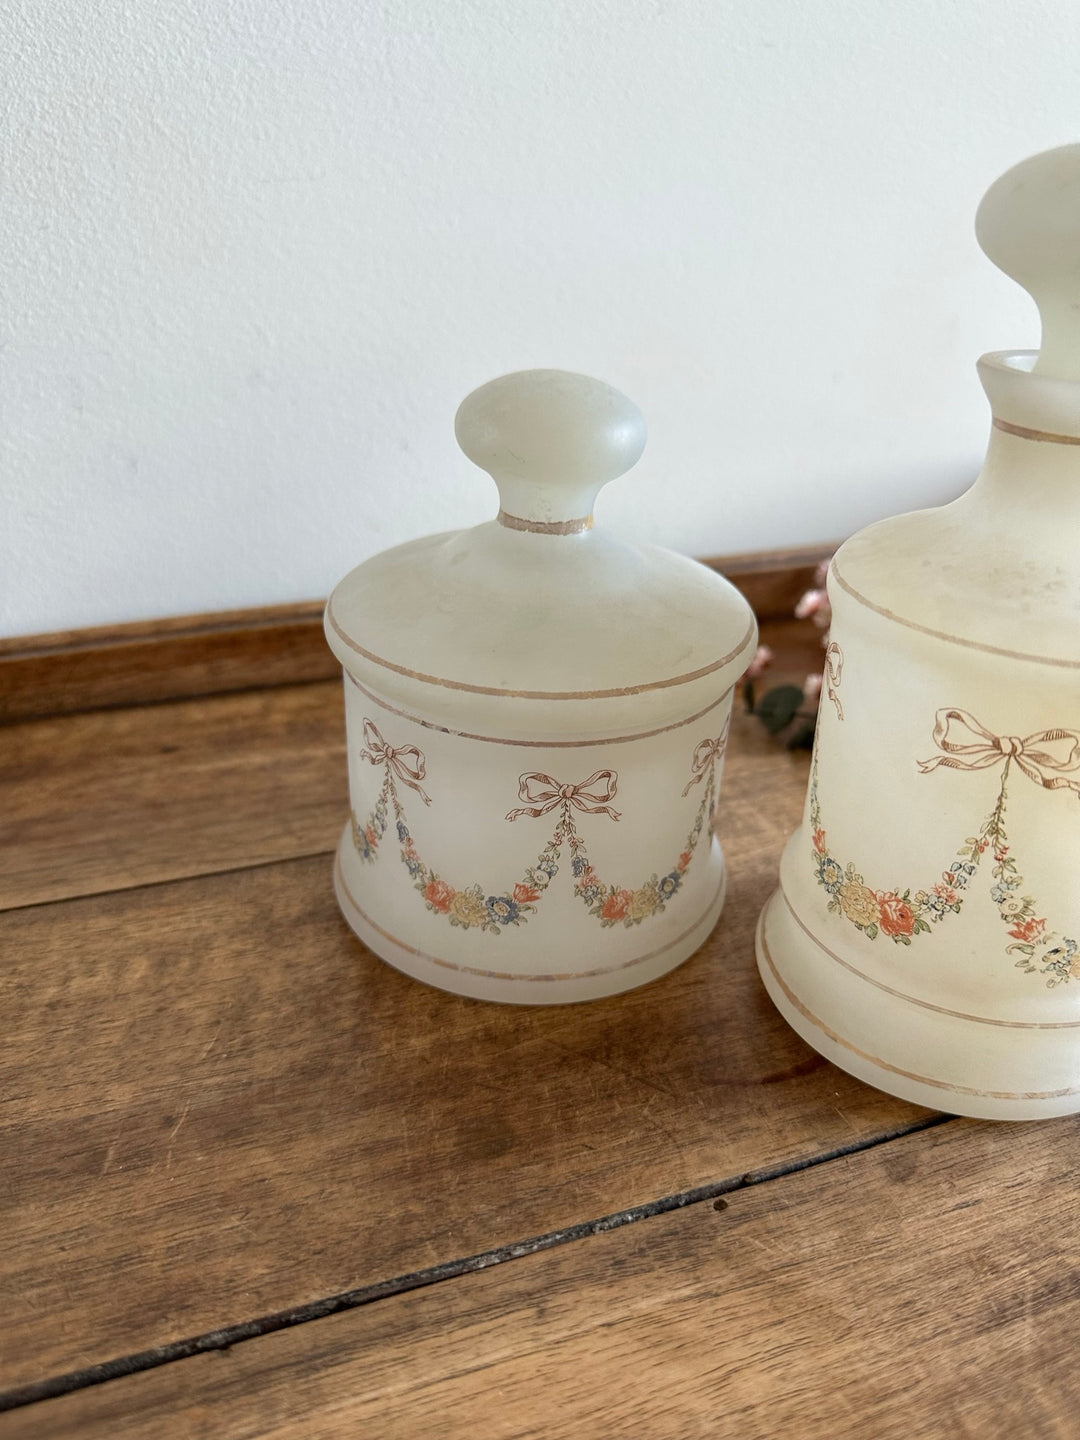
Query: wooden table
column 254, row 1182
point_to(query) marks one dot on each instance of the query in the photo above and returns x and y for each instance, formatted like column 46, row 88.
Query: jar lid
column 539, row 604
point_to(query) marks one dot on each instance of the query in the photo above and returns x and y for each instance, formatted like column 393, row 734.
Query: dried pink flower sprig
column 814, row 604
column 763, row 658
column 789, row 707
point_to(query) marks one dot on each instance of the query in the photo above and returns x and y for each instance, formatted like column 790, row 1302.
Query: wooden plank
column 115, row 798
column 216, row 1105
column 110, row 799
column 926, row 1288
column 154, row 660
column 228, row 651
column 774, row 580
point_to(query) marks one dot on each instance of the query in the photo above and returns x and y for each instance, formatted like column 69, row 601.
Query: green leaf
column 748, row 696
column 778, row 707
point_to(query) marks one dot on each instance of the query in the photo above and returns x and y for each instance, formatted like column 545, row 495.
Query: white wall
column 255, row 251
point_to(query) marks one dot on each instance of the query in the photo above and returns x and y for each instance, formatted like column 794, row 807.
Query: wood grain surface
column 220, row 1115
column 111, row 799
column 217, row 1105
column 152, row 660
column 115, row 798
column 926, row 1288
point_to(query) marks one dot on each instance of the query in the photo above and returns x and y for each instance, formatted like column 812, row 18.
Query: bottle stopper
column 1029, row 225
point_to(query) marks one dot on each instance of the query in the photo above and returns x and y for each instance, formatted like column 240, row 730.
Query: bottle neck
column 1031, row 479
column 1030, row 482
column 545, row 527
column 562, row 506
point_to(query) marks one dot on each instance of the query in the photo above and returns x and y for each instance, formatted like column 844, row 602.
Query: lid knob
column 1029, row 226
column 549, row 439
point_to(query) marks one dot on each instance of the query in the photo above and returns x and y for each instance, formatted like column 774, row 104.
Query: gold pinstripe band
column 540, row 694
column 960, row 640
column 1048, row 437
column 545, row 527
column 718, row 894
column 913, row 999
column 535, row 744
column 837, row 1039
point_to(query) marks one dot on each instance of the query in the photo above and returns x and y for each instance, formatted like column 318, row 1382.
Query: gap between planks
column 231, row 1335
column 209, row 874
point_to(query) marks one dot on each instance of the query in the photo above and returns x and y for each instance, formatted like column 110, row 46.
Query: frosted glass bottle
column 537, row 715
column 926, row 931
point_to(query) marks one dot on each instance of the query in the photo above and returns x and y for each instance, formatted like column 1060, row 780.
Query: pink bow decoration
column 406, row 762
column 1050, row 757
column 705, row 757
column 542, row 793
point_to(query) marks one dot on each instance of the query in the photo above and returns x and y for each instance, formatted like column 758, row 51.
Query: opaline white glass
column 926, row 932
column 537, row 715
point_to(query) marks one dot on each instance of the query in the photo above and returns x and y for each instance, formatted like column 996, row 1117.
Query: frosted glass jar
column 926, row 932
column 537, row 714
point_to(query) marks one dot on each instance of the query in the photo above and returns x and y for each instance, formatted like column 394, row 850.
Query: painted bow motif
column 542, row 793
column 1051, row 758
column 480, row 907
column 707, row 753
column 407, row 762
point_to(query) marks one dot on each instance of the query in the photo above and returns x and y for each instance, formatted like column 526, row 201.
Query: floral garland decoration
column 903, row 915
column 469, row 906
